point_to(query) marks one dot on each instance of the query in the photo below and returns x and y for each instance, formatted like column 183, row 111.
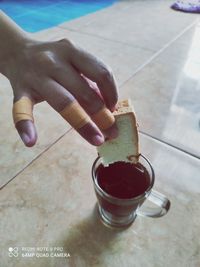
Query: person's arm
column 62, row 74
column 12, row 37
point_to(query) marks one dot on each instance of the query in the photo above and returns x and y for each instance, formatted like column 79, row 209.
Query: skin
column 58, row 72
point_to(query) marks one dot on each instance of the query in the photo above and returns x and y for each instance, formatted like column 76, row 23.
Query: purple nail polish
column 25, row 138
column 98, row 140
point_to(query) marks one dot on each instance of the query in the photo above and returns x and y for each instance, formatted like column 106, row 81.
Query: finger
column 23, row 120
column 69, row 78
column 27, row 132
column 80, row 121
column 111, row 132
column 64, row 103
column 105, row 120
column 89, row 99
column 98, row 72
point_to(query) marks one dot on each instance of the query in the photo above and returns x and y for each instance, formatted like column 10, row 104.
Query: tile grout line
column 57, row 140
column 127, row 44
column 104, row 38
column 160, row 51
column 170, row 145
column 34, row 159
column 155, row 55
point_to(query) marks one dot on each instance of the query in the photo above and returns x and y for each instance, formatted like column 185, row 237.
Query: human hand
column 60, row 73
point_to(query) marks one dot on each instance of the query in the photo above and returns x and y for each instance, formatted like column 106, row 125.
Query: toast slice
column 126, row 146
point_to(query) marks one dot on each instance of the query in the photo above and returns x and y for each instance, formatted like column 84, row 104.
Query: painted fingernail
column 28, row 141
column 113, row 108
column 98, row 140
column 112, row 132
column 25, row 138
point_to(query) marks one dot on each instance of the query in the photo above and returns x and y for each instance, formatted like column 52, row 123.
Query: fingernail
column 25, row 138
column 112, row 132
column 98, row 140
column 113, row 108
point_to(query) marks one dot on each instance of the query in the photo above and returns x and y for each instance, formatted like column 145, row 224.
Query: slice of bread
column 126, row 146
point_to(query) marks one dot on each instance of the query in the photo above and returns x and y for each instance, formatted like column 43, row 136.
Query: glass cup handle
column 162, row 203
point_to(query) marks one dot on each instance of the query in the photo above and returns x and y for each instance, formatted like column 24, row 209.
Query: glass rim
column 124, row 200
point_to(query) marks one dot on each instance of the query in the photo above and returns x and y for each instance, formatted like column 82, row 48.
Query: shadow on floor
column 87, row 241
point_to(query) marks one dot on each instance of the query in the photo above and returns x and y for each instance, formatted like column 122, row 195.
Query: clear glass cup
column 117, row 212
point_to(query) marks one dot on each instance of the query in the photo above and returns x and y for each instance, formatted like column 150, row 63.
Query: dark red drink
column 123, row 181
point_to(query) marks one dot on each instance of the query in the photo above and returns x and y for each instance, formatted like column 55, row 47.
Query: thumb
column 23, row 119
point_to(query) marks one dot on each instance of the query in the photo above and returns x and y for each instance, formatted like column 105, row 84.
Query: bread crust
column 125, row 108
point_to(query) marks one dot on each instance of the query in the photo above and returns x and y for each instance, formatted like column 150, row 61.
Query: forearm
column 12, row 39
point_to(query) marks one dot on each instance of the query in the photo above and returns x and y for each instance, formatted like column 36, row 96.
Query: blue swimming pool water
column 37, row 15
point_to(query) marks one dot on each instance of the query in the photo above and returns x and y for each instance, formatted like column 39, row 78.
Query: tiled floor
column 52, row 203
column 49, row 201
column 170, row 92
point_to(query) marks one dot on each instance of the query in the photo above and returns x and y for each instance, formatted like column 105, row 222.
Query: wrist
column 13, row 40
column 10, row 52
